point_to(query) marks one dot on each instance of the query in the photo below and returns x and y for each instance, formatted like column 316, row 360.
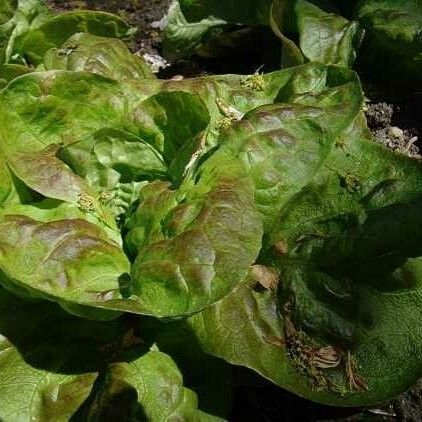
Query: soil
column 268, row 403
column 397, row 126
column 393, row 126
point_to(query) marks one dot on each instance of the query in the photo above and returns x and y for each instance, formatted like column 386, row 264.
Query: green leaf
column 345, row 251
column 393, row 42
column 8, row 72
column 291, row 54
column 16, row 16
column 31, row 394
column 46, row 116
column 110, row 143
column 270, row 143
column 249, row 12
column 206, row 241
column 211, row 378
column 7, row 11
column 61, row 367
column 213, row 30
column 56, row 254
column 52, row 123
column 149, row 387
column 44, row 34
column 108, row 133
column 40, row 356
column 182, row 38
column 246, row 328
column 315, row 30
column 8, row 191
column 283, row 145
column 186, row 240
column 108, row 57
column 111, row 156
column 160, row 116
column 325, row 37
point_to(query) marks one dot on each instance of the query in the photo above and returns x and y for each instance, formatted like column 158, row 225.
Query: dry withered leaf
column 327, row 357
column 289, row 328
column 281, row 247
column 266, row 276
column 130, row 339
column 276, row 341
column 356, row 382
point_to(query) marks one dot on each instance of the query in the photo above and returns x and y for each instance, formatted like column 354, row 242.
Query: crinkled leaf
column 212, row 211
column 283, row 145
column 98, row 127
column 51, row 32
column 282, row 148
column 59, row 256
column 112, row 156
column 187, row 240
column 45, row 111
column 201, row 250
column 101, row 55
column 49, row 106
column 56, row 254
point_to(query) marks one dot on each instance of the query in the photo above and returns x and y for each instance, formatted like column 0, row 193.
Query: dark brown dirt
column 394, row 125
column 267, row 403
column 408, row 407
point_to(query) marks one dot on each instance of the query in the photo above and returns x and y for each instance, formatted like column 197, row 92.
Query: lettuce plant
column 155, row 232
column 324, row 31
